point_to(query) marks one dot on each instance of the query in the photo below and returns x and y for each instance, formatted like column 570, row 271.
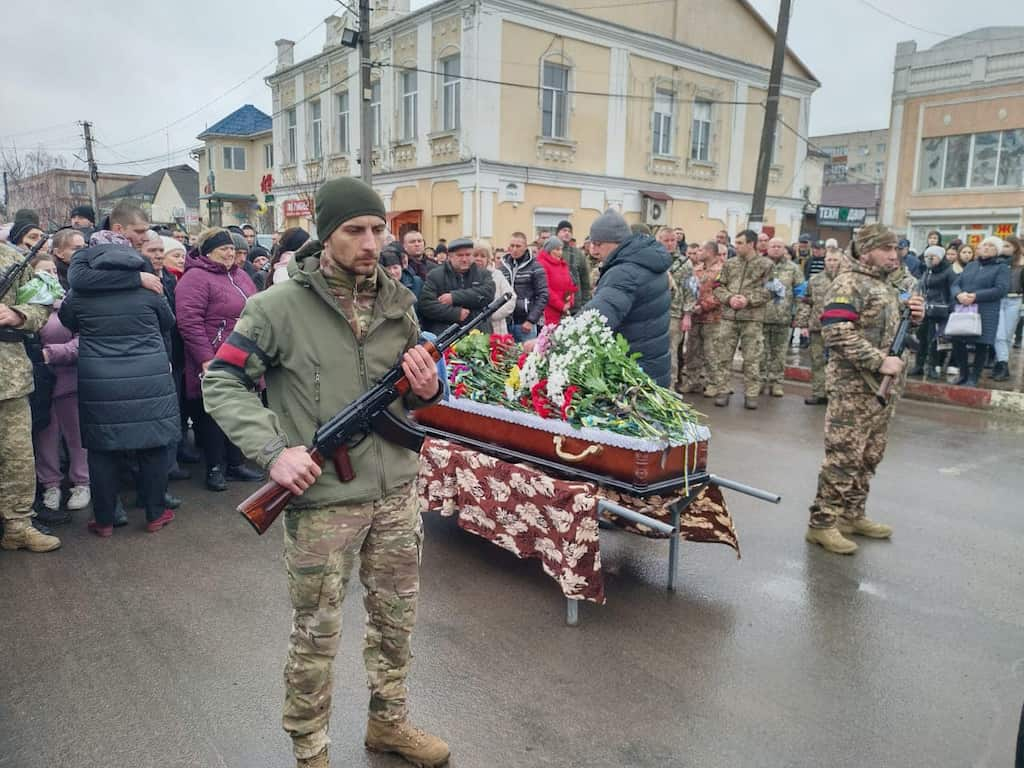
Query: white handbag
column 965, row 321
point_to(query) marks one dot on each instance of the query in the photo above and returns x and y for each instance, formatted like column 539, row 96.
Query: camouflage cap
column 874, row 236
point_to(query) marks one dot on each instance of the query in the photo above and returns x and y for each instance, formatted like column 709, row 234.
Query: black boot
column 242, row 472
column 187, row 455
column 980, row 359
column 1001, row 372
column 215, row 480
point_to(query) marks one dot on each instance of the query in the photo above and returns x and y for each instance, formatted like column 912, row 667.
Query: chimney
column 285, row 53
column 334, row 26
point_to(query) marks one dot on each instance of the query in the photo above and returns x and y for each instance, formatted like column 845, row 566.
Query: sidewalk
column 988, row 395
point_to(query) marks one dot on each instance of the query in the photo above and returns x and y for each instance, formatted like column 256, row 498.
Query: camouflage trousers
column 676, row 348
column 776, row 344
column 702, row 357
column 17, row 461
column 817, row 351
column 320, row 547
column 750, row 338
column 856, row 432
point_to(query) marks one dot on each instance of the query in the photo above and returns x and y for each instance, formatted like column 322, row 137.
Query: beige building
column 169, row 196
column 492, row 116
column 54, row 193
column 855, row 158
column 236, row 187
column 957, row 158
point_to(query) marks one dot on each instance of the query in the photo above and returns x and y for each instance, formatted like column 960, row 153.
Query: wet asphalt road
column 166, row 650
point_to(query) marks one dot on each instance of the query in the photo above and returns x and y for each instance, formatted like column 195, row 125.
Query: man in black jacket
column 529, row 283
column 455, row 290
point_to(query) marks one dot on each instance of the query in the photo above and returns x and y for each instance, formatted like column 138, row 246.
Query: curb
column 965, row 397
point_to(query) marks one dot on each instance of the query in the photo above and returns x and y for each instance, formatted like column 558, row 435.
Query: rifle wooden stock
column 263, row 507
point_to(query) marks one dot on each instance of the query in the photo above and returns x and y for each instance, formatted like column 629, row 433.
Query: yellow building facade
column 501, row 115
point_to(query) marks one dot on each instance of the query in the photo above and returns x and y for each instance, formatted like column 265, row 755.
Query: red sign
column 296, row 208
column 267, row 184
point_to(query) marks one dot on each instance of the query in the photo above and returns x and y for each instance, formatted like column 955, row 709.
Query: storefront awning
column 395, row 214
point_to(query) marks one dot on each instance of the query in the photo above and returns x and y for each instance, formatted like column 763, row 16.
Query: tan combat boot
column 778, row 391
column 319, row 760
column 417, row 746
column 19, row 534
column 831, row 539
column 863, row 526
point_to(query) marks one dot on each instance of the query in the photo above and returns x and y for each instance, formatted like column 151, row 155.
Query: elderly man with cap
column 633, row 291
column 862, row 313
column 455, row 290
column 304, row 337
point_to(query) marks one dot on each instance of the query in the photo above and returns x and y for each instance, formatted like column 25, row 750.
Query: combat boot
column 19, row 534
column 863, row 526
column 778, row 391
column 319, row 760
column 415, row 745
column 750, row 403
column 722, row 400
column 831, row 539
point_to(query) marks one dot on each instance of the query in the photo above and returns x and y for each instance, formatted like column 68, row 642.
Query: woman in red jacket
column 561, row 288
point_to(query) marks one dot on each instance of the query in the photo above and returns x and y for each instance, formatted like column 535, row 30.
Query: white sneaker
column 51, row 499
column 80, row 497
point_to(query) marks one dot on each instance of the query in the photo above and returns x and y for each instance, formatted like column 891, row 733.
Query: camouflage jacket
column 808, row 315
column 579, row 268
column 744, row 277
column 780, row 310
column 861, row 315
column 684, row 298
column 902, row 280
column 15, row 367
column 709, row 308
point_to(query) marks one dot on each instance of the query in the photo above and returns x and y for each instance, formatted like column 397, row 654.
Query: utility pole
column 93, row 173
column 366, row 115
column 771, row 118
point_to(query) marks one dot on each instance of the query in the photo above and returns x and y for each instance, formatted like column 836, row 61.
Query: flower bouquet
column 579, row 372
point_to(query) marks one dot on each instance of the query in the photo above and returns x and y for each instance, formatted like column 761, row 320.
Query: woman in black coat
column 935, row 285
column 126, row 396
column 984, row 282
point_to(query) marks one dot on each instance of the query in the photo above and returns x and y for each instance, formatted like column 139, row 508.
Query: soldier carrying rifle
column 321, row 339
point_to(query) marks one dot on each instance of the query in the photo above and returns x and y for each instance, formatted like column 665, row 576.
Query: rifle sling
column 397, row 431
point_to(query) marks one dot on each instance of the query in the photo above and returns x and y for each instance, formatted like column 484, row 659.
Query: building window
column 77, row 188
column 879, row 170
column 1011, row 159
column 933, row 153
column 268, row 156
column 450, row 93
column 341, row 107
column 663, row 122
column 234, row 158
column 840, row 151
column 984, row 159
column 410, row 97
column 881, row 149
column 958, row 156
column 555, row 101
column 375, row 111
column 700, row 138
column 994, row 158
column 316, row 133
column 291, row 127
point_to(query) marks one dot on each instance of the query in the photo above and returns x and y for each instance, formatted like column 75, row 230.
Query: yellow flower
column 513, row 378
column 475, row 331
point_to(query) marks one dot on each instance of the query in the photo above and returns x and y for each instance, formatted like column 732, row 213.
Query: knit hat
column 342, row 199
column 553, row 244
column 241, row 244
column 21, row 228
column 935, row 250
column 874, row 236
column 26, row 214
column 390, row 259
column 85, row 211
column 171, row 245
column 609, row 227
column 563, row 224
column 292, row 240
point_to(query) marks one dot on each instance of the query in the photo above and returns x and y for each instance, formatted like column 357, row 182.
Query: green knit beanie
column 342, row 199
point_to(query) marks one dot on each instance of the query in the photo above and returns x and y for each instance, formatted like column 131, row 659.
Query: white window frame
column 451, row 92
column 409, row 108
column 291, row 134
column 316, row 130
column 230, row 155
column 268, row 155
column 375, row 96
column 663, row 123
column 344, row 118
column 559, row 100
column 700, row 132
column 77, row 188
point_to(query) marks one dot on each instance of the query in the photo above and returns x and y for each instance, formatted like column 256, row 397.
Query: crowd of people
column 132, row 299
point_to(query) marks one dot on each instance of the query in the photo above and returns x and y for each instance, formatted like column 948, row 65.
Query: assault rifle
column 902, row 341
column 10, row 277
column 353, row 424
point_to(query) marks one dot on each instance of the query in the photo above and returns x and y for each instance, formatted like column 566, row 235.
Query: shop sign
column 834, row 216
column 296, row 209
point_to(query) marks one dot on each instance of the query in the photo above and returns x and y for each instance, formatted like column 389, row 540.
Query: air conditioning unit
column 655, row 212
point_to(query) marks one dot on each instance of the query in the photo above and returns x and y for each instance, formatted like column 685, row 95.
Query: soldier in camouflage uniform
column 779, row 315
column 808, row 318
column 17, row 461
column 862, row 312
column 320, row 340
column 701, row 368
column 741, row 289
column 579, row 266
column 684, row 298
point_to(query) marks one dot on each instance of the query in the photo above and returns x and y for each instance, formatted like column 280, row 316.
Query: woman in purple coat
column 209, row 298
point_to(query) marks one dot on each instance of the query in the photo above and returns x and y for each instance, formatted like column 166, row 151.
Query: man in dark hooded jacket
column 633, row 291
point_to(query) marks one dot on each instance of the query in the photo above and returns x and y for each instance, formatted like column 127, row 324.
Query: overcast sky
column 139, row 76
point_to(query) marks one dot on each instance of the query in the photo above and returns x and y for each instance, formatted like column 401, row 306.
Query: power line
column 814, row 146
column 897, row 19
column 36, row 130
column 619, row 5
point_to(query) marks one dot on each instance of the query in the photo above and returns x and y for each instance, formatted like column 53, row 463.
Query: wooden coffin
column 635, row 467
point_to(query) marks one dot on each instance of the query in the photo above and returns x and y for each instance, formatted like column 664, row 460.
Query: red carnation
column 541, row 404
column 569, row 392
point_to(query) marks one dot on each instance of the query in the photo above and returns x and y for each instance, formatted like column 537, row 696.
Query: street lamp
column 350, row 38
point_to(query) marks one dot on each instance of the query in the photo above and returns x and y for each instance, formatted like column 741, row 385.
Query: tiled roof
column 184, row 177
column 244, row 121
